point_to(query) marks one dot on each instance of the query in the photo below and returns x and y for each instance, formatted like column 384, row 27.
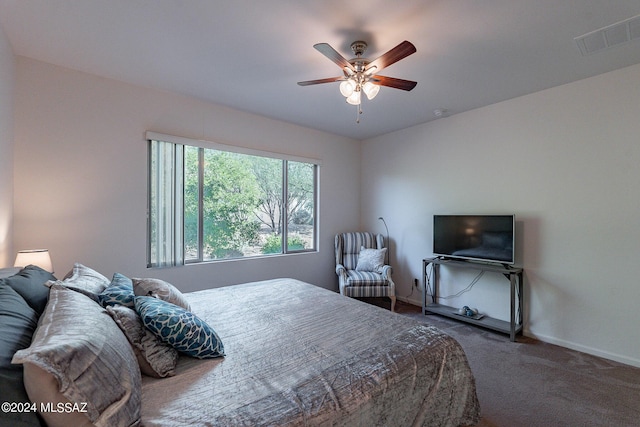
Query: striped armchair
column 360, row 281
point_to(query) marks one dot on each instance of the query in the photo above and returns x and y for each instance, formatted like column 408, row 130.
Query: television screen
column 475, row 237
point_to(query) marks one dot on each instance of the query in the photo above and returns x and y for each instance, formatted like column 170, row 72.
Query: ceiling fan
column 360, row 74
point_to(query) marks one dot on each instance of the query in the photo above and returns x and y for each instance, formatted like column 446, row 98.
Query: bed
column 294, row 355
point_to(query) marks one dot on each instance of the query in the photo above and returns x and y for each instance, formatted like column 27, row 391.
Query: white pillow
column 371, row 259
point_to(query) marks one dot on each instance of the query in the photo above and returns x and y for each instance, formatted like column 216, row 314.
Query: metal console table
column 515, row 276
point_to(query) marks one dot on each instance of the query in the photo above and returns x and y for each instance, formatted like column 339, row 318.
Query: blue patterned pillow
column 179, row 328
column 120, row 291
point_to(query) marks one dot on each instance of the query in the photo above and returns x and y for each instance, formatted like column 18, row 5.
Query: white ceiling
column 249, row 54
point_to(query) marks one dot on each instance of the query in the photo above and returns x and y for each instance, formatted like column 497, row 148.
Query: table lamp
column 38, row 257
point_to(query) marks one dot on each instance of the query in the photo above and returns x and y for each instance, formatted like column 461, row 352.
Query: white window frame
column 170, row 252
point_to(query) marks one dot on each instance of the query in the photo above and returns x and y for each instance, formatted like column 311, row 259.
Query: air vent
column 613, row 35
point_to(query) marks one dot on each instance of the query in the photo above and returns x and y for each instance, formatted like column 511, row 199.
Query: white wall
column 81, row 175
column 565, row 161
column 7, row 83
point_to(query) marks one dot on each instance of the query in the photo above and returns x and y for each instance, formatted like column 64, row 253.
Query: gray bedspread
column 300, row 355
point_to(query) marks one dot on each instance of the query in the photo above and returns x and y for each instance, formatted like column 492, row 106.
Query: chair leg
column 393, row 302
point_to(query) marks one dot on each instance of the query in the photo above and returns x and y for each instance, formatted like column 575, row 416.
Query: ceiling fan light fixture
column 359, row 74
column 354, row 98
column 371, row 90
column 347, row 87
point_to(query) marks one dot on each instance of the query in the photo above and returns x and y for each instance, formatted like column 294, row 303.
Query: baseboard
column 562, row 343
column 409, row 301
column 585, row 349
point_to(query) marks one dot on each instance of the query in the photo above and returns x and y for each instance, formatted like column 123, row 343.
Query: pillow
column 155, row 358
column 89, row 358
column 46, row 390
column 18, row 321
column 179, row 328
column 160, row 289
column 8, row 271
column 29, row 284
column 84, row 280
column 371, row 259
column 119, row 292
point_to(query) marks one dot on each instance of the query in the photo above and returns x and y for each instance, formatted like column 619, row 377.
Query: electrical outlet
column 415, row 283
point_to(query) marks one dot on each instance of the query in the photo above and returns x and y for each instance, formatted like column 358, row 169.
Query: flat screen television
column 488, row 238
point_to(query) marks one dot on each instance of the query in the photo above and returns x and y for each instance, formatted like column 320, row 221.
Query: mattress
column 301, row 355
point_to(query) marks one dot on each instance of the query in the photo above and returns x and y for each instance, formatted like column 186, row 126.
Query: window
column 210, row 202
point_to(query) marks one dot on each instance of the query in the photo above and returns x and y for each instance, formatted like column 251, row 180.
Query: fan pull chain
column 358, row 112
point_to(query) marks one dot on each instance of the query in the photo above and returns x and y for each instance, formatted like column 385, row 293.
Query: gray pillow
column 18, row 321
column 160, row 289
column 29, row 283
column 85, row 358
column 155, row 358
column 84, row 280
column 8, row 271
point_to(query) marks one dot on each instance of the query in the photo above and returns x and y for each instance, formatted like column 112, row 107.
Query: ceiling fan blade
column 394, row 83
column 319, row 81
column 399, row 52
column 334, row 55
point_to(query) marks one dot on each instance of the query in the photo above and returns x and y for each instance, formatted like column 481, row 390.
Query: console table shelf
column 513, row 274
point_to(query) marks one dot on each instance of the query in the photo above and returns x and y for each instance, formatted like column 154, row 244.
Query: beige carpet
column 531, row 383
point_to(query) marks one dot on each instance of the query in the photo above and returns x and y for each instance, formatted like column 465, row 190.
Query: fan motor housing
column 358, row 47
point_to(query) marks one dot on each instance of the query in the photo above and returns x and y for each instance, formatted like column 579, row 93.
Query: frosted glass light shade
column 354, row 99
column 347, row 87
column 371, row 90
column 39, row 257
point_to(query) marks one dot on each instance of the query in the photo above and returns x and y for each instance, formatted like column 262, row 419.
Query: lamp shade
column 39, row 257
column 354, row 98
column 347, row 87
column 371, row 90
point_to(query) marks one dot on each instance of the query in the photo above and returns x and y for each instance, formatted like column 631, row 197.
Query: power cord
column 463, row 291
column 411, row 292
column 429, row 292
